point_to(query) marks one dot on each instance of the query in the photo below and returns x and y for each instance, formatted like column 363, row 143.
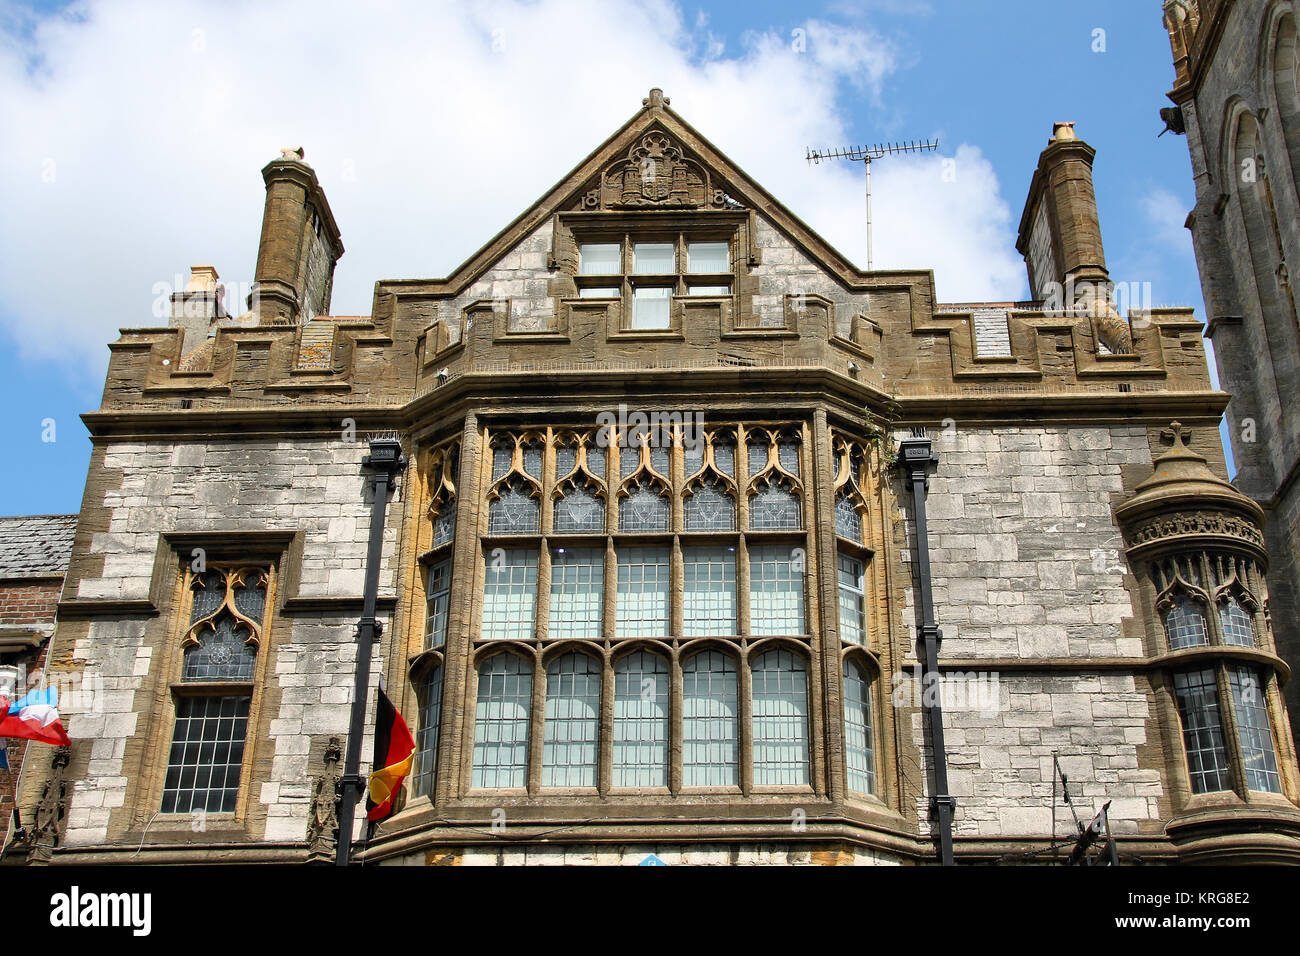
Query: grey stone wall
column 1027, row 565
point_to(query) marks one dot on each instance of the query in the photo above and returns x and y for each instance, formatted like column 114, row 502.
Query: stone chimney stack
column 1060, row 238
column 299, row 247
column 198, row 307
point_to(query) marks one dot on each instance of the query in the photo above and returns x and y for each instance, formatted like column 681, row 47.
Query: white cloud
column 1165, row 215
column 430, row 126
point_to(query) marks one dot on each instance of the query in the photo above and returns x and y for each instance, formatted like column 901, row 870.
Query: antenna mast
column 864, row 155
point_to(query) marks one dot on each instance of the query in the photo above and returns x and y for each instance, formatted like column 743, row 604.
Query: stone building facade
column 650, row 579
column 34, row 552
column 1237, row 95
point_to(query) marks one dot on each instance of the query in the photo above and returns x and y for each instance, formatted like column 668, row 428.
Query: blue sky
column 116, row 98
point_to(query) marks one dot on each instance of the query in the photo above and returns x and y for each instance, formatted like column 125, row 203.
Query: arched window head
column 774, row 507
column 501, row 722
column 643, row 508
column 1185, row 624
column 1235, row 622
column 848, row 520
column 709, row 508
column 514, row 511
column 859, row 743
column 225, row 620
column 780, row 719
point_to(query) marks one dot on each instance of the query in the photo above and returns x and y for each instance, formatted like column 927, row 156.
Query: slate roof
column 36, row 546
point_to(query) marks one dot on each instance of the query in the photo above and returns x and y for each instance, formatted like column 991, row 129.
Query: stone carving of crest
column 655, row 174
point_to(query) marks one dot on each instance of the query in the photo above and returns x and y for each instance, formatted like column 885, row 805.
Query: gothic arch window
column 429, row 695
column 1286, row 89
column 640, row 738
column 572, row 714
column 441, row 468
column 501, row 722
column 514, row 510
column 780, row 718
column 1222, row 701
column 215, row 693
column 710, row 720
column 859, row 737
column 774, row 485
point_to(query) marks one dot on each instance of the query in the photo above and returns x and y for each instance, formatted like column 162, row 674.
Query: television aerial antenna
column 865, row 155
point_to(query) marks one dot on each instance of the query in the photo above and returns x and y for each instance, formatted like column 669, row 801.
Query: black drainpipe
column 384, row 461
column 915, row 459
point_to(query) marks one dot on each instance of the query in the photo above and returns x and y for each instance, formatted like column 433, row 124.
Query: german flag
column 394, row 752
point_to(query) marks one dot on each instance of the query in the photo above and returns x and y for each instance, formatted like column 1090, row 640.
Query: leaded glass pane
column 692, row 456
column 579, row 511
column 710, row 721
column 757, row 455
column 853, row 605
column 641, row 721
column 502, row 455
column 509, row 595
column 724, row 456
column 444, row 525
column 643, row 586
column 780, row 720
column 501, row 718
column 223, row 654
column 859, row 751
column 577, row 592
column 659, row 458
column 709, row 591
column 533, row 459
column 572, row 721
column 514, row 511
column 848, row 520
column 206, row 755
column 596, row 462
column 643, row 509
column 776, row 590
column 774, row 508
column 1235, row 623
column 426, row 739
column 209, row 593
column 1185, row 625
column 709, row 508
column 1254, row 731
column 566, row 459
column 1198, row 706
column 629, row 459
column 438, row 593
column 788, row 454
column 250, row 597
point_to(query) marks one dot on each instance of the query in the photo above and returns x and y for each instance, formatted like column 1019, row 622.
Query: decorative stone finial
column 656, row 100
column 1177, row 436
column 1061, row 131
column 293, row 154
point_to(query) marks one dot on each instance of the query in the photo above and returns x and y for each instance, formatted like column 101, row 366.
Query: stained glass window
column 514, row 511
column 709, row 508
column 579, row 511
column 774, row 508
column 848, row 520
column 643, row 509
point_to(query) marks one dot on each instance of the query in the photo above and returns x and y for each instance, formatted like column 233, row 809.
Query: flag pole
column 384, row 461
